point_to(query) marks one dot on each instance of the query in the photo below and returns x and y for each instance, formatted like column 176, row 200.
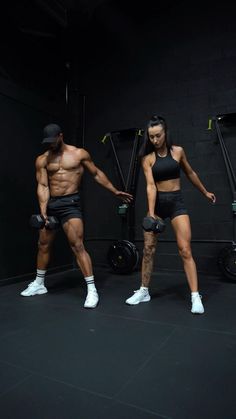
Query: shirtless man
column 59, row 173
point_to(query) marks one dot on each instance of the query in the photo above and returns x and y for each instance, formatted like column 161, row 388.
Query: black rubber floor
column 155, row 360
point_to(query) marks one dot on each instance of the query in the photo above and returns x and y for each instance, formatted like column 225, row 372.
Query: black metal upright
column 131, row 185
column 127, row 211
column 227, row 255
column 219, row 120
column 123, row 255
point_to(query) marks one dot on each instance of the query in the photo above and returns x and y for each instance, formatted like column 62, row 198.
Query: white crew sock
column 194, row 294
column 90, row 283
column 40, row 276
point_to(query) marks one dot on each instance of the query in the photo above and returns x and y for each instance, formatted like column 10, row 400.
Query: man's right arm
column 43, row 187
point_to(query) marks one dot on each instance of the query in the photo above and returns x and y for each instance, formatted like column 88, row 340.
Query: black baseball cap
column 50, row 132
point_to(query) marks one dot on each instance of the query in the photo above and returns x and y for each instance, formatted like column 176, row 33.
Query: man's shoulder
column 80, row 151
column 75, row 149
column 41, row 160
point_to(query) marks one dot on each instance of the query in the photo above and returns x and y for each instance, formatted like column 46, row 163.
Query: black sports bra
column 165, row 168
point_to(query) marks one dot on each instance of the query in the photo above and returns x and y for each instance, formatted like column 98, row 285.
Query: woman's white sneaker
column 140, row 296
column 197, row 306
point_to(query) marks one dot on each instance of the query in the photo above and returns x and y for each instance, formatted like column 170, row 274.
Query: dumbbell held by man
column 38, row 221
column 157, row 225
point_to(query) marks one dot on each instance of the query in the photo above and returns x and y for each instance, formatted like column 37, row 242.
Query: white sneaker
column 197, row 306
column 33, row 289
column 91, row 299
column 140, row 296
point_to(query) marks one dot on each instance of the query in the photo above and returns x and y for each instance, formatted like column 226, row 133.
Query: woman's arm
column 194, row 178
column 151, row 187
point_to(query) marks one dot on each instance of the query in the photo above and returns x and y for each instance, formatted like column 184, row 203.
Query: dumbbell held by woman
column 157, row 225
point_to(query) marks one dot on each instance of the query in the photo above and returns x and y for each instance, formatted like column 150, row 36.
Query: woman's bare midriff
column 171, row 185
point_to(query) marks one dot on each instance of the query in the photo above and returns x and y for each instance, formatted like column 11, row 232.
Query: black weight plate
column 123, row 256
column 133, row 249
column 227, row 261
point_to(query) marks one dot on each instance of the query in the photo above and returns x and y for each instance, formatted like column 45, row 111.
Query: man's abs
column 64, row 183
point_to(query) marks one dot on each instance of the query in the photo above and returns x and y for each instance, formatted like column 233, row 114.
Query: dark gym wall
column 124, row 62
column 31, row 95
column 22, row 121
column 177, row 60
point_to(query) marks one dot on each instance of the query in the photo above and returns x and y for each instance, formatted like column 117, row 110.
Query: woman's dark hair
column 147, row 147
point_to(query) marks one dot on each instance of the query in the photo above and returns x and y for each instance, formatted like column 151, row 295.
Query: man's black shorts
column 170, row 205
column 65, row 207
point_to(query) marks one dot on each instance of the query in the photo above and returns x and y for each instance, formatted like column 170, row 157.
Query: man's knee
column 44, row 246
column 77, row 246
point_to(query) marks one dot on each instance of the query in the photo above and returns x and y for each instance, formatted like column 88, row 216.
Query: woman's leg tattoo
column 150, row 240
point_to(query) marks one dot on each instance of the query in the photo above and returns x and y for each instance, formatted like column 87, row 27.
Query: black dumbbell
column 157, row 225
column 38, row 221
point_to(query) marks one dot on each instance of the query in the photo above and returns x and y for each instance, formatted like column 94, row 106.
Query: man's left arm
column 101, row 178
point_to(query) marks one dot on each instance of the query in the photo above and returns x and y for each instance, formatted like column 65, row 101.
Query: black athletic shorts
column 170, row 205
column 65, row 207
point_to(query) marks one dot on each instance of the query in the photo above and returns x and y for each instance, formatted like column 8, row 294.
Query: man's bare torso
column 64, row 170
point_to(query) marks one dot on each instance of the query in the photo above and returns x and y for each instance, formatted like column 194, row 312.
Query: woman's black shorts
column 170, row 205
column 65, row 207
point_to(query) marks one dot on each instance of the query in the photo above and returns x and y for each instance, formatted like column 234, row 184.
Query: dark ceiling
column 64, row 13
column 39, row 37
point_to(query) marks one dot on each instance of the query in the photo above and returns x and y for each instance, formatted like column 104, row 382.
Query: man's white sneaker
column 197, row 306
column 34, row 289
column 140, row 296
column 91, row 299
